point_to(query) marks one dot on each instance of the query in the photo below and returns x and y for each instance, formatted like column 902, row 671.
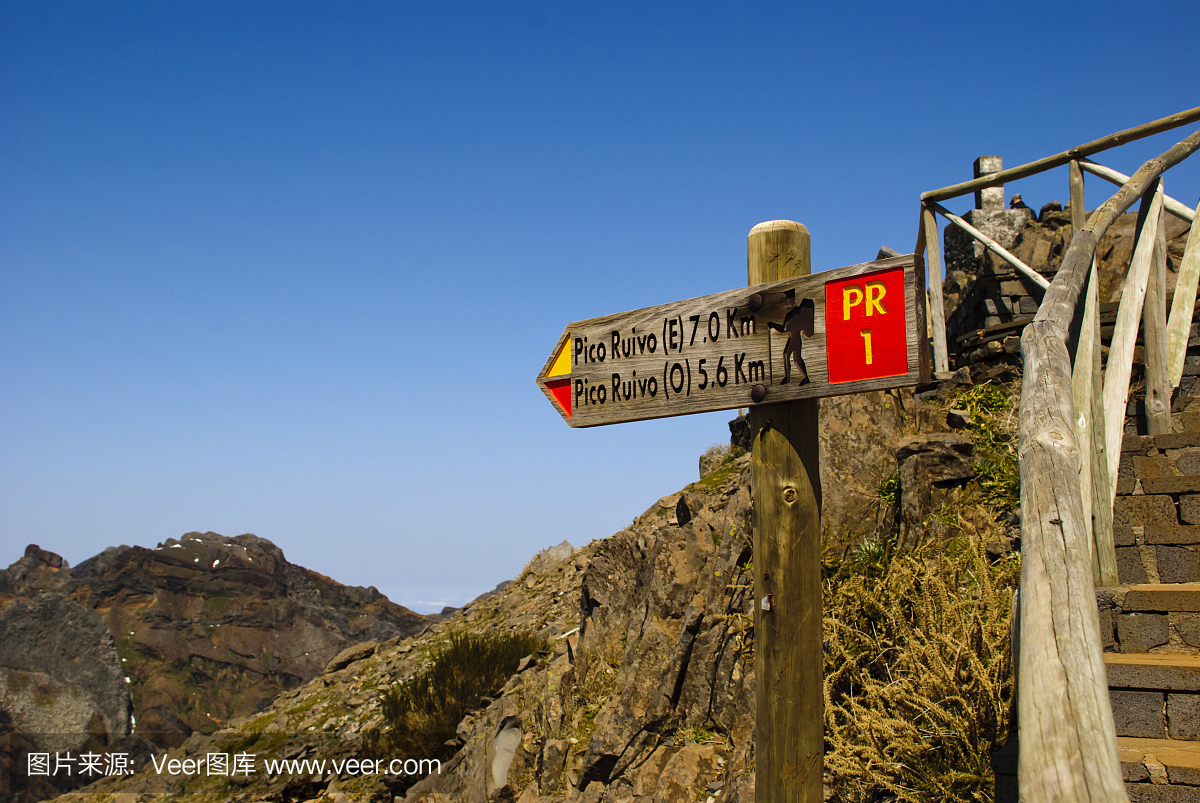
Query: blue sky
column 291, row 268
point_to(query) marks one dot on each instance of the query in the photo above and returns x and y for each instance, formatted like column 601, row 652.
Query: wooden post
column 1184, row 304
column 1154, row 335
column 1094, row 483
column 1120, row 355
column 786, row 482
column 933, row 281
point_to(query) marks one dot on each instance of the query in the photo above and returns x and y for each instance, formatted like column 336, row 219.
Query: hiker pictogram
column 799, row 321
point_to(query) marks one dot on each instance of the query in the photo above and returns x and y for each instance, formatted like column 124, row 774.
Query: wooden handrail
column 1068, row 749
column 1060, row 159
column 1176, row 208
column 991, row 244
column 1120, row 355
column 1183, row 304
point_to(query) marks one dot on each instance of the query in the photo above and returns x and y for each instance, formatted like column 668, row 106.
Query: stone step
column 1161, row 501
column 1164, row 484
column 1159, row 670
column 1157, row 553
column 1160, row 770
column 1155, row 695
column 1140, row 618
column 1168, row 440
column 1163, row 597
column 1167, row 484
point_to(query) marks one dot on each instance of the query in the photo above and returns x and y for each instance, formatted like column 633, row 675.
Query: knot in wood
column 789, row 495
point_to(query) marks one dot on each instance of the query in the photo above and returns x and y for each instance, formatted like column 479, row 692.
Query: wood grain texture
column 992, row 245
column 1183, row 305
column 1060, row 159
column 1097, row 495
column 1089, row 433
column 1078, row 207
column 739, row 349
column 1120, row 353
column 937, row 307
column 1180, row 210
column 785, row 478
column 1089, row 415
column 1067, row 738
column 1154, row 334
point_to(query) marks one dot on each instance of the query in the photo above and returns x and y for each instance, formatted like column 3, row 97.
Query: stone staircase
column 1150, row 623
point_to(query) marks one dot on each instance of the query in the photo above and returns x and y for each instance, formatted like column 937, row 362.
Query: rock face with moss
column 207, row 628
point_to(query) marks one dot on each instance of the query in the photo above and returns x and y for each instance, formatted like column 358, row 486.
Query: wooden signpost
column 776, row 347
column 843, row 331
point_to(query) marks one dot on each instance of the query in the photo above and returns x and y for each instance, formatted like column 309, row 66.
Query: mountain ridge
column 204, row 629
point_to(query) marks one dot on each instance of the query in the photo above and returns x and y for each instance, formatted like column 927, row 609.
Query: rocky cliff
column 176, row 639
column 645, row 690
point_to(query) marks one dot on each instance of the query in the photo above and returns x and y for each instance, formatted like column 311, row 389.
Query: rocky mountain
column 646, row 637
column 645, row 690
column 160, row 643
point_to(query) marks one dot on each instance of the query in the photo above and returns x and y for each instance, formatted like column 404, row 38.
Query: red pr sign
column 864, row 326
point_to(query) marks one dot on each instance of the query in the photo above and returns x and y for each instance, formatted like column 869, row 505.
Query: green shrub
column 889, row 489
column 420, row 715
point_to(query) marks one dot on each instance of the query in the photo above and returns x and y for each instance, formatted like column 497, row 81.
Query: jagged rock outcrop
column 858, row 437
column 208, row 628
column 62, row 688
column 51, row 644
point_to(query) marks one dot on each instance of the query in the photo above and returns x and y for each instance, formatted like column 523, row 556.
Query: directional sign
column 841, row 331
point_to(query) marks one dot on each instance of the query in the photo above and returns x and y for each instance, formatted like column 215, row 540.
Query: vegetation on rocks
column 420, row 714
column 918, row 676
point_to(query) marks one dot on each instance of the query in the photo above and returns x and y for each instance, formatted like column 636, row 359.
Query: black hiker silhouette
column 800, row 321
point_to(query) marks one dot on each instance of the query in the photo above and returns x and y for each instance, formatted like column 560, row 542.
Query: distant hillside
column 203, row 629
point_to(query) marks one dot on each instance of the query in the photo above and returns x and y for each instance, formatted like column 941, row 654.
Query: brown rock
column 212, row 628
column 858, row 438
column 356, row 652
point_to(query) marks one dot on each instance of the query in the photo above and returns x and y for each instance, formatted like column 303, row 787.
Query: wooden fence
column 1070, row 427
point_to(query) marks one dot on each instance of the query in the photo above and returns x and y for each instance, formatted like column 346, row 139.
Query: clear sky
column 291, row 268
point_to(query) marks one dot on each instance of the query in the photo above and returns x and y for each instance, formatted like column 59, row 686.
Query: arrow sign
column 842, row 331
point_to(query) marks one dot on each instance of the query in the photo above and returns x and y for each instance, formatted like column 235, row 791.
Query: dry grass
column 918, row 676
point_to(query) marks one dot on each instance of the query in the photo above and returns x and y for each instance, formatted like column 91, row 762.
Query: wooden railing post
column 1183, row 306
column 1068, row 744
column 1089, row 414
column 1060, row 159
column 1154, row 335
column 1120, row 353
column 933, row 281
column 786, row 480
